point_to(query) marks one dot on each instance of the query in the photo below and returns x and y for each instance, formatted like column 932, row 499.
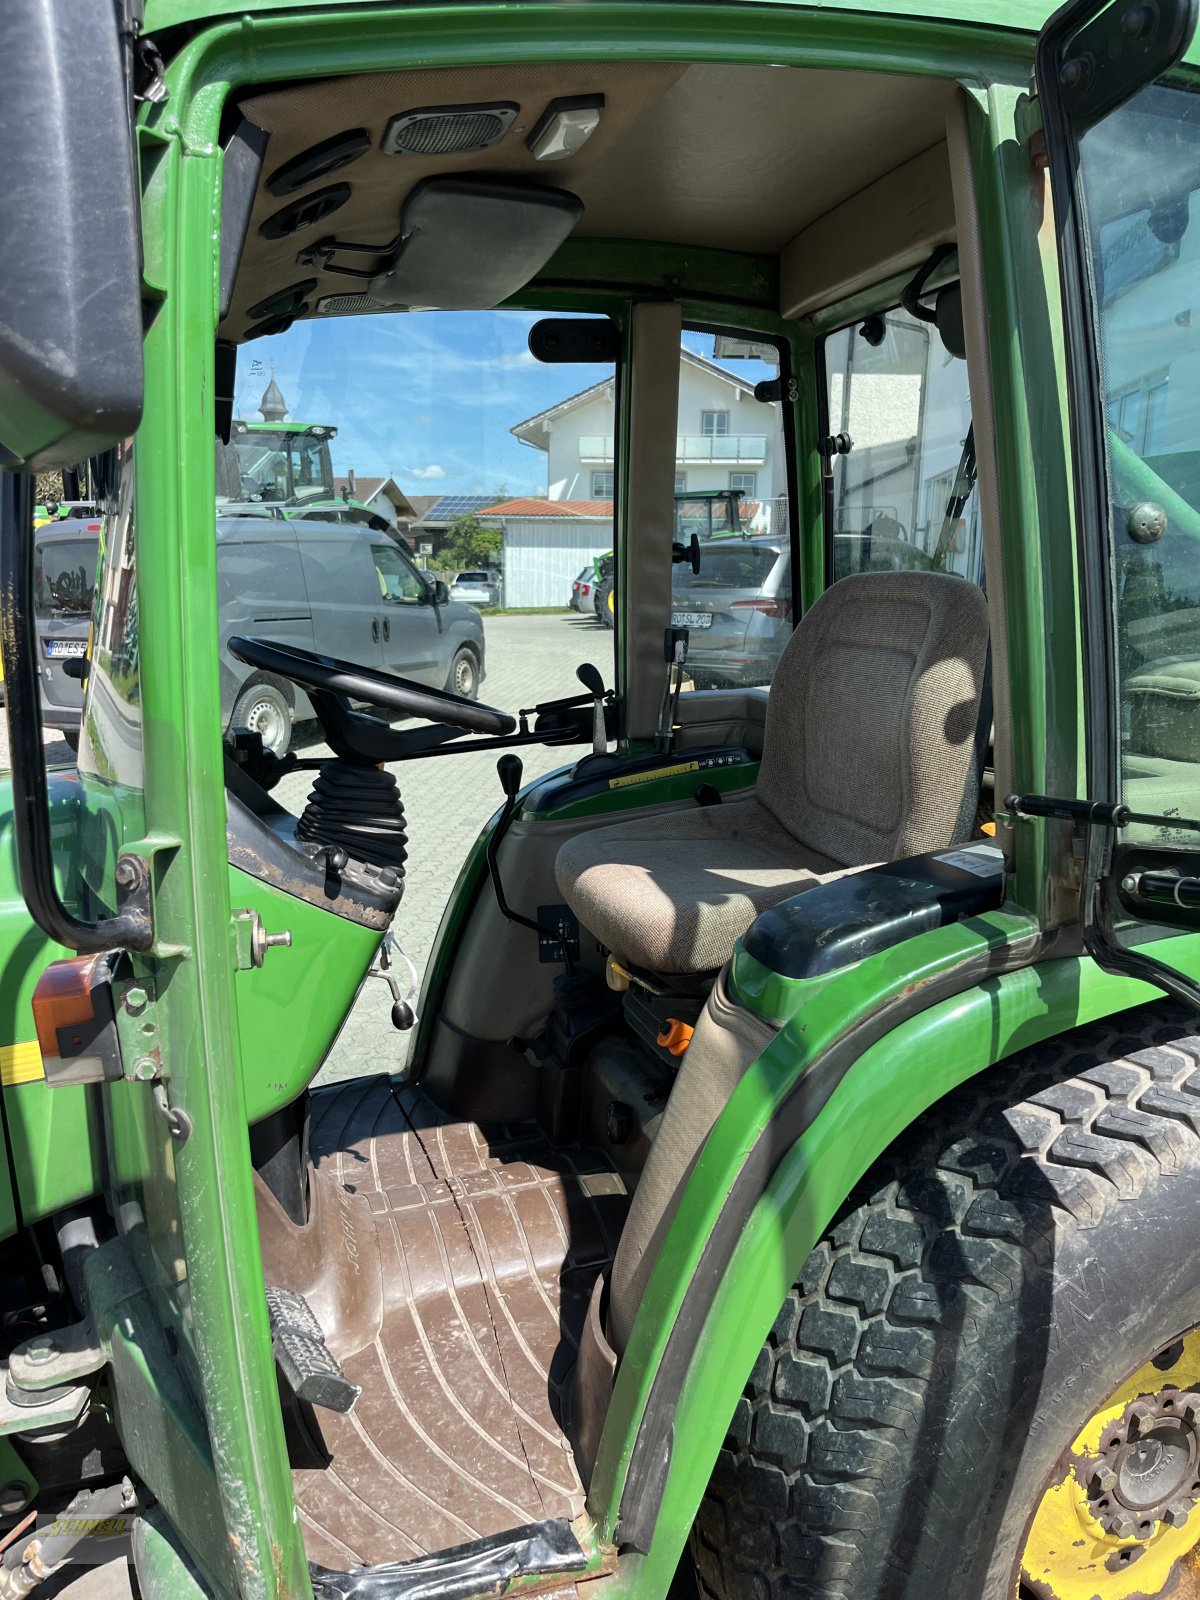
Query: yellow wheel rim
column 1120, row 1517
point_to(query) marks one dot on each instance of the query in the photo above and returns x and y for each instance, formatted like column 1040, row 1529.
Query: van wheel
column 464, row 674
column 71, row 736
column 264, row 709
column 987, row 1380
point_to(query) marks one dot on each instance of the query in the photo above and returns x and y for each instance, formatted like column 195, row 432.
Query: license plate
column 59, row 649
column 691, row 619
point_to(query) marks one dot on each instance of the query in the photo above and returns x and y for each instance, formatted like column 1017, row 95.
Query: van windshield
column 64, row 575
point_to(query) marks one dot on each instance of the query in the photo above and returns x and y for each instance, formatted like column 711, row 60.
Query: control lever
column 675, row 641
column 509, row 769
column 404, row 1013
column 589, row 677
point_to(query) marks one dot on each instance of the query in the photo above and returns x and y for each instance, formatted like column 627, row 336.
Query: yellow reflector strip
column 20, row 1063
column 631, row 778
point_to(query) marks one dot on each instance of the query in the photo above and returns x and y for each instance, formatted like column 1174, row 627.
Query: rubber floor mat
column 450, row 1266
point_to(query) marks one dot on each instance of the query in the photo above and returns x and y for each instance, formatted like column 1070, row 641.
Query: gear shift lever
column 589, row 677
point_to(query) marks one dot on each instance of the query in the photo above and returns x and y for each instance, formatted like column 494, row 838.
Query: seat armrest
column 838, row 923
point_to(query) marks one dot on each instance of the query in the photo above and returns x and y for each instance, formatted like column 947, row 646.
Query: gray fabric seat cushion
column 869, row 748
column 672, row 892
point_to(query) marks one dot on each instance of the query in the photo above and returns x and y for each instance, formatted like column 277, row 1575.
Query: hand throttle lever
column 589, row 677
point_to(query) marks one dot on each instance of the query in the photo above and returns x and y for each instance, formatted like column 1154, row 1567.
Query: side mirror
column 440, row 595
column 70, row 315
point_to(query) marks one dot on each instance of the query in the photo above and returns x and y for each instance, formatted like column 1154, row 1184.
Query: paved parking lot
column 447, row 800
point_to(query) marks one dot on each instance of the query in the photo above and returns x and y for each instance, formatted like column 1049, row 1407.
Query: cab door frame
column 1089, row 61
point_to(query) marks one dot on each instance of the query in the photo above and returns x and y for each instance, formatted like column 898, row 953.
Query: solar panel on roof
column 456, row 505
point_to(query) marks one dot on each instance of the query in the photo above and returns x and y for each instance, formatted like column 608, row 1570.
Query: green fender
column 759, row 1198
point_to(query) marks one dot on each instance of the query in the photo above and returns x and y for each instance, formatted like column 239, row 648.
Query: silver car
column 482, row 587
column 737, row 610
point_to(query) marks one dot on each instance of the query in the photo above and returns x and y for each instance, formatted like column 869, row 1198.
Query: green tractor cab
column 280, row 468
column 613, row 1140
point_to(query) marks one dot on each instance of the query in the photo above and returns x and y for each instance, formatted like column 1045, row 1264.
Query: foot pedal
column 309, row 1369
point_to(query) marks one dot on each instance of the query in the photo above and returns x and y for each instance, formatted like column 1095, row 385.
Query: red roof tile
column 549, row 508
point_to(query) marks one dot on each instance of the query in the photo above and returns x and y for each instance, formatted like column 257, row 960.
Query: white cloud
column 432, row 471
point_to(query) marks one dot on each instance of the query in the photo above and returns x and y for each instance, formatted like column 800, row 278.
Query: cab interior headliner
column 737, row 158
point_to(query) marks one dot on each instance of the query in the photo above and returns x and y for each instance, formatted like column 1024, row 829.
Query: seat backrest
column 870, row 734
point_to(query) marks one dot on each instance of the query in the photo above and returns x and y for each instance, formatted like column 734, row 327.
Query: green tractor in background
column 702, row 514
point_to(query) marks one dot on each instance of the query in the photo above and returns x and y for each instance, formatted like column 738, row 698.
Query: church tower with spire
column 272, row 406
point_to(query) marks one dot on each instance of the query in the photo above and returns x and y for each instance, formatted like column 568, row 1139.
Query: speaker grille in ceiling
column 447, row 130
column 331, row 304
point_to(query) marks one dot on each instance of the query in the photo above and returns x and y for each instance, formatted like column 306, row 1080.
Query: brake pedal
column 309, row 1368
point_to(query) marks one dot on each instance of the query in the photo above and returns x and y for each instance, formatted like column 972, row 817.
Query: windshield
column 64, row 575
column 703, row 514
column 275, row 467
column 472, row 577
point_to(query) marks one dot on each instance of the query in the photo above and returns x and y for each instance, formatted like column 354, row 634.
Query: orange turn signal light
column 73, row 1016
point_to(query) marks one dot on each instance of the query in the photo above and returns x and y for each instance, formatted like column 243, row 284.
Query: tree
column 470, row 544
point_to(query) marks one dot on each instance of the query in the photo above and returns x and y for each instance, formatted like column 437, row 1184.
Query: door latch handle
column 375, row 629
column 387, row 630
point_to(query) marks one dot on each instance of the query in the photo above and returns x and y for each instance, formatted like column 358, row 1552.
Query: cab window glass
column 903, row 495
column 1140, row 170
column 732, row 500
column 111, row 743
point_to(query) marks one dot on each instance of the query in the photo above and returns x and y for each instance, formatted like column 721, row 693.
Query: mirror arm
column 131, row 928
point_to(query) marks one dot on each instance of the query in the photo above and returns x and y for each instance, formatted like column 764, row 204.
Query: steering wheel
column 329, row 676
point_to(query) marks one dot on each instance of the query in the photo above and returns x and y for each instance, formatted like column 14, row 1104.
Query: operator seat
column 868, row 757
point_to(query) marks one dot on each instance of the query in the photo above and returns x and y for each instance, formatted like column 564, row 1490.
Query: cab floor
column 450, row 1266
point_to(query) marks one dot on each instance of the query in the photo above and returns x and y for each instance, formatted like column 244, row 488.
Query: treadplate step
column 309, row 1369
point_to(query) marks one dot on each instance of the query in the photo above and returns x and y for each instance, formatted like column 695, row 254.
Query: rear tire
column 464, row 674
column 265, row 710
column 1006, row 1265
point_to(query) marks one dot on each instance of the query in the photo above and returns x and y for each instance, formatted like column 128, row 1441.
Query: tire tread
column 939, row 1233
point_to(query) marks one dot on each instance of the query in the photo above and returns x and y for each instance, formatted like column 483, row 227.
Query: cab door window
column 1141, row 172
column 732, row 497
column 901, row 490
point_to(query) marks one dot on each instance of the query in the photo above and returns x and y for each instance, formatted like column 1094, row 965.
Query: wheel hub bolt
column 1175, row 1516
column 1140, row 1412
column 1123, row 1526
column 1102, row 1480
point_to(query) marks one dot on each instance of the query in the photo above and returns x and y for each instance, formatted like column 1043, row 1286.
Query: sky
column 428, row 397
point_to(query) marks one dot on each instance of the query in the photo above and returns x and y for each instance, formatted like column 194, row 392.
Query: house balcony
column 691, row 449
column 741, row 449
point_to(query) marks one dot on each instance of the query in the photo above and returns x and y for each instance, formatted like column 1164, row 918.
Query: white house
column 382, row 495
column 727, row 439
